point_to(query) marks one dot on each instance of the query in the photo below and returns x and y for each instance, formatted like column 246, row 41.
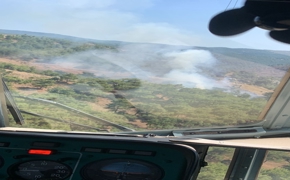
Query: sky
column 176, row 22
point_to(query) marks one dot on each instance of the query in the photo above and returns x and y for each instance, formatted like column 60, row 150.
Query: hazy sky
column 180, row 22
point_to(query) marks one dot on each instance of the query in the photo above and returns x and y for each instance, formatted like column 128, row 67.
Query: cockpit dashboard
column 63, row 156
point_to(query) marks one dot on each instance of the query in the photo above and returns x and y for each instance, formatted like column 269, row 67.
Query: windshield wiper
column 123, row 128
column 61, row 120
column 16, row 112
column 11, row 105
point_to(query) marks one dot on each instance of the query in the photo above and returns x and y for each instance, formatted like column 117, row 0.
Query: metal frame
column 4, row 122
column 246, row 164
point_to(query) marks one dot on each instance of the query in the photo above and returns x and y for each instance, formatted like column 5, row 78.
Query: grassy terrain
column 160, row 106
column 275, row 166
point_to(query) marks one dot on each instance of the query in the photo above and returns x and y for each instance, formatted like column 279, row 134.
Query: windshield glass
column 114, row 66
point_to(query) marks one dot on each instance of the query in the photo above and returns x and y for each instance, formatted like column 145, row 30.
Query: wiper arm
column 11, row 105
column 61, row 120
column 123, row 128
column 16, row 113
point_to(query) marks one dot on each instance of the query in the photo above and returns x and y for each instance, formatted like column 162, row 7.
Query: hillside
column 29, row 48
column 187, row 89
column 56, row 36
column 270, row 58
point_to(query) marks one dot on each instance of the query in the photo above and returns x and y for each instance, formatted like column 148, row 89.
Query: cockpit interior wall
column 39, row 156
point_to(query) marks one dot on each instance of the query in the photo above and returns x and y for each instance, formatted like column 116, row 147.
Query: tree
column 120, row 104
column 88, row 74
column 42, row 83
column 68, row 77
column 50, row 73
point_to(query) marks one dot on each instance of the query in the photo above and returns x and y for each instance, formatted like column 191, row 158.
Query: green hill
column 266, row 57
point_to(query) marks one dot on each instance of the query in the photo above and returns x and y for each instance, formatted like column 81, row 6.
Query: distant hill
column 138, row 57
column 266, row 57
column 57, row 36
column 271, row 58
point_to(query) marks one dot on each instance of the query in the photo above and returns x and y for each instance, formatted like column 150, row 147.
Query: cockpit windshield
column 116, row 66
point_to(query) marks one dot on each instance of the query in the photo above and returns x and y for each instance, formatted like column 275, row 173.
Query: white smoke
column 189, row 59
column 168, row 64
column 185, row 68
column 151, row 62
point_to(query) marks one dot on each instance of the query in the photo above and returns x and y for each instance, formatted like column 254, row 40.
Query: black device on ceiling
column 272, row 15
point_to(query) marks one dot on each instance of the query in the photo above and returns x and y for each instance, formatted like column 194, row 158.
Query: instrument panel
column 51, row 156
column 128, row 169
column 40, row 169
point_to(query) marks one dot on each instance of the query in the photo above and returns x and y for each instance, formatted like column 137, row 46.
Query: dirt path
column 97, row 107
column 13, row 61
column 139, row 123
column 272, row 165
column 254, row 89
column 103, row 101
column 68, row 68
column 65, row 67
column 258, row 90
column 26, row 75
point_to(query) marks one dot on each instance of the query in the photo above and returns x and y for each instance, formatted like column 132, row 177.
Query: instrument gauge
column 121, row 169
column 1, row 161
column 40, row 170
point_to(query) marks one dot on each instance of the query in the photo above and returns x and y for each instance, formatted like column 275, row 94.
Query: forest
column 83, row 101
column 27, row 48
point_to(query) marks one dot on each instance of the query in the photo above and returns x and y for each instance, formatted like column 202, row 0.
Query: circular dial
column 121, row 169
column 40, row 170
column 1, row 161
